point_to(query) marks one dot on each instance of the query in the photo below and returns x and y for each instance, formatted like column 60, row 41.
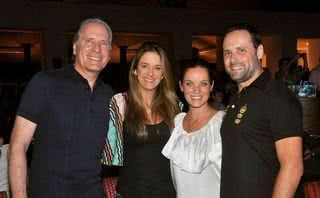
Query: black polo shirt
column 261, row 114
column 71, row 127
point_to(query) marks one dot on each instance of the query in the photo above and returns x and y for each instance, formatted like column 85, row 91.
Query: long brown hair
column 164, row 103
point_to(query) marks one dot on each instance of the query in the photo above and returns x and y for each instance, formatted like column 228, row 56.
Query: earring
column 135, row 72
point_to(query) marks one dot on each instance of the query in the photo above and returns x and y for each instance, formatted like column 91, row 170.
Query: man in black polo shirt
column 66, row 111
column 261, row 132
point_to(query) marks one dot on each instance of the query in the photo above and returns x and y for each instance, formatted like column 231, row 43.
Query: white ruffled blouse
column 196, row 158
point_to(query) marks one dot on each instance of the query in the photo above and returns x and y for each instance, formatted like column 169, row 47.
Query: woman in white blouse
column 194, row 147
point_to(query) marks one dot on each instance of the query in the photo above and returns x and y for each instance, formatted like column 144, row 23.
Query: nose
column 233, row 58
column 150, row 72
column 97, row 47
column 196, row 88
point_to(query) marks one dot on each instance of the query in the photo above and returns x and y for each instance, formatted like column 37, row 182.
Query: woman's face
column 149, row 71
column 196, row 87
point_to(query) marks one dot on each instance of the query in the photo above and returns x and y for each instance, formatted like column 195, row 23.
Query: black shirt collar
column 261, row 81
column 77, row 76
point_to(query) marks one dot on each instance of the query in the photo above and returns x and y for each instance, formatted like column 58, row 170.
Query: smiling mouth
column 235, row 69
column 94, row 58
column 236, row 66
column 148, row 80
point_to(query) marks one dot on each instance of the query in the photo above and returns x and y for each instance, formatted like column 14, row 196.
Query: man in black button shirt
column 261, row 132
column 66, row 112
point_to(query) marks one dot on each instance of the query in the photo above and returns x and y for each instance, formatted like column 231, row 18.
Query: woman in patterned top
column 140, row 126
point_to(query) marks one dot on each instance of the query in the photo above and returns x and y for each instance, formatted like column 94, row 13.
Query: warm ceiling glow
column 207, row 46
column 11, row 50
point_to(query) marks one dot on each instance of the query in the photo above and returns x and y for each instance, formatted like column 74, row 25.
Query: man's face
column 92, row 50
column 241, row 59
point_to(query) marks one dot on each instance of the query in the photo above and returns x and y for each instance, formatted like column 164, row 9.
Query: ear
column 135, row 72
column 110, row 53
column 180, row 85
column 260, row 52
column 212, row 84
column 74, row 49
column 109, row 58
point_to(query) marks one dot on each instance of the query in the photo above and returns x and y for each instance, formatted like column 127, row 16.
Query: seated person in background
column 315, row 75
column 283, row 68
column 4, row 183
column 218, row 100
column 290, row 72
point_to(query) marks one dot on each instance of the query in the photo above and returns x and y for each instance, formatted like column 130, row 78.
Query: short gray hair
column 92, row 20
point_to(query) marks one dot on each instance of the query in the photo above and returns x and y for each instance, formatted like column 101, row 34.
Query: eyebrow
column 240, row 47
column 149, row 63
column 192, row 80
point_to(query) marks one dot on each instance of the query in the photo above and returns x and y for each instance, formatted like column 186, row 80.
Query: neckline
column 156, row 124
column 200, row 129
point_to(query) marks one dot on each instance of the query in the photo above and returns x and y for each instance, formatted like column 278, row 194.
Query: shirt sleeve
column 286, row 117
column 112, row 154
column 33, row 99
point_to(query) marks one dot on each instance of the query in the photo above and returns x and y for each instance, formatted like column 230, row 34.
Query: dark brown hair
column 255, row 37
